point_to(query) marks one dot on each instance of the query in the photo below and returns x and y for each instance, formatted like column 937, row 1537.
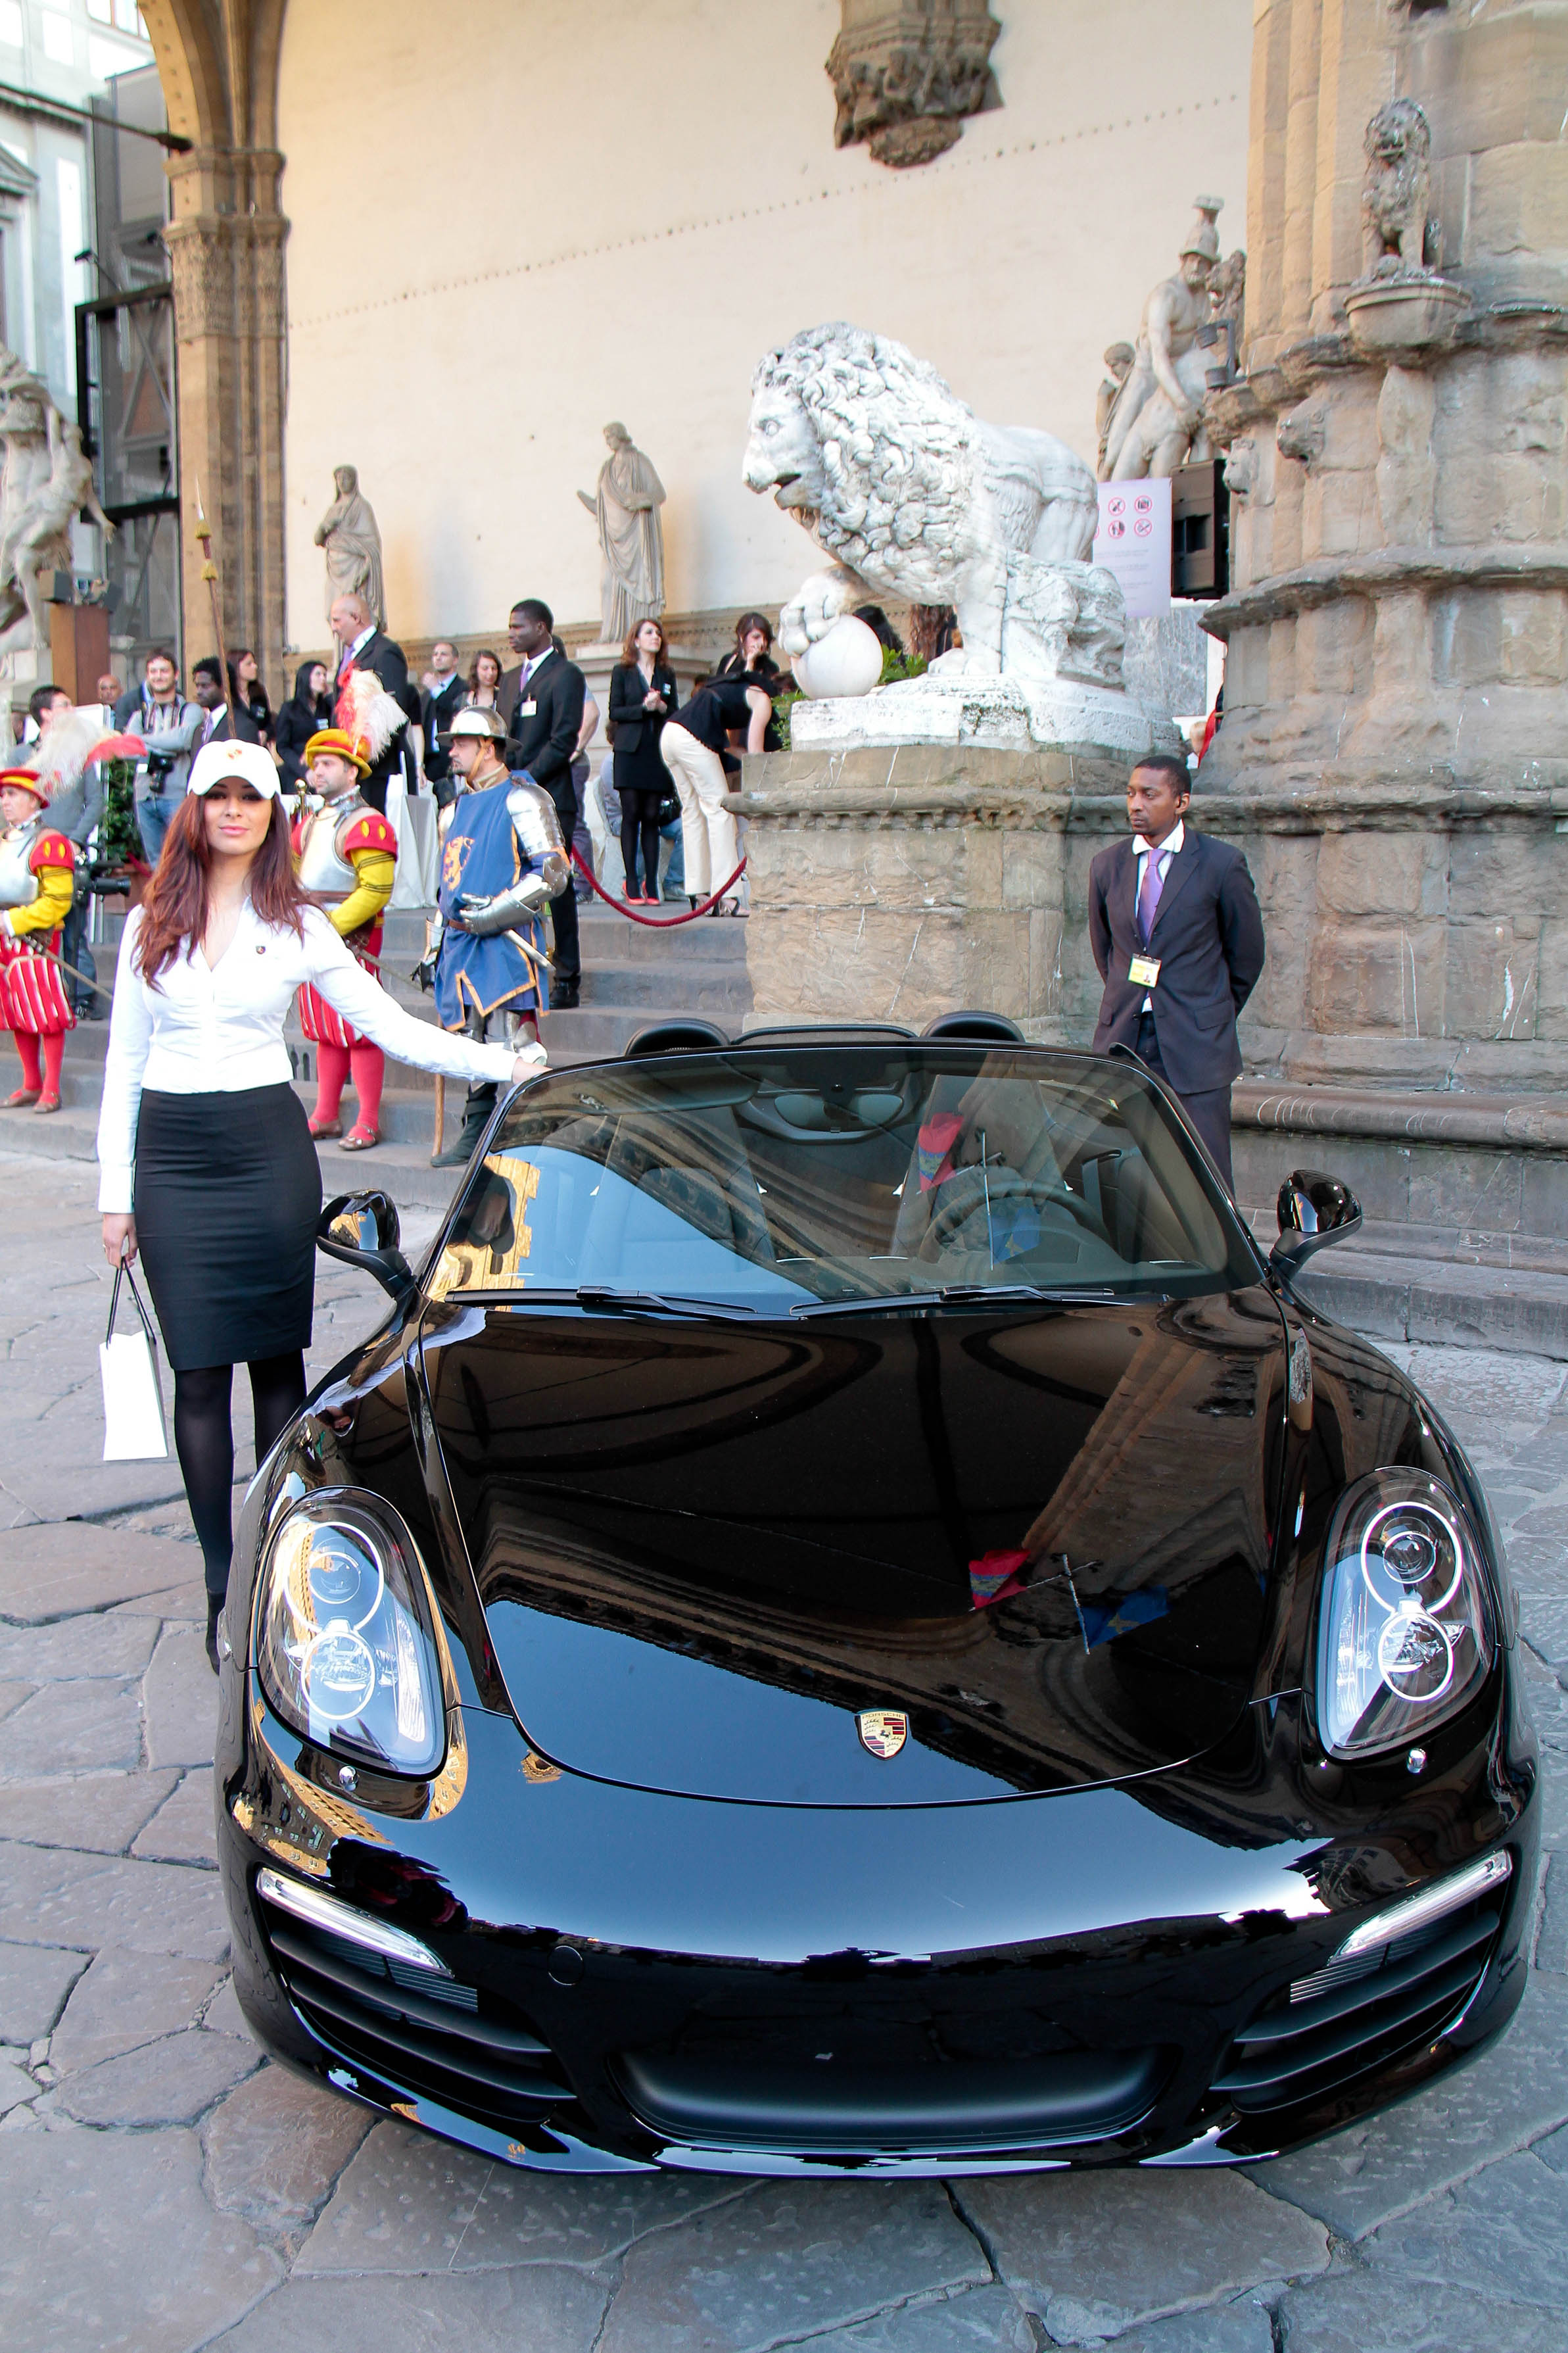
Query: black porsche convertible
column 850, row 1620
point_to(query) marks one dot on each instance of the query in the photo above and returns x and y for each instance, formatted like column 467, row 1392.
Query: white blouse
column 200, row 1030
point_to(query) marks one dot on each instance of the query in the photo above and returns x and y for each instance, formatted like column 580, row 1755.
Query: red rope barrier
column 655, row 923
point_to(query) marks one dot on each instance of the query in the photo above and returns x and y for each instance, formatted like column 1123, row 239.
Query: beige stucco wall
column 516, row 218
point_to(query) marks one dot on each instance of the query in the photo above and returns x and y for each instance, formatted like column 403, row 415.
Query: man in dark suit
column 361, row 645
column 1177, row 936
column 438, row 706
column 541, row 703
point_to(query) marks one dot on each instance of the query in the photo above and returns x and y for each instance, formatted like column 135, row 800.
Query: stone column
column 1398, row 621
column 225, row 253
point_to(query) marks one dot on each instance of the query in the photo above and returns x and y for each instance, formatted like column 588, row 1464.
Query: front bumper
column 637, row 1979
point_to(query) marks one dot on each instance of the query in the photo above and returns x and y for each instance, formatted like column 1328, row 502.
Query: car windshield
column 793, row 1180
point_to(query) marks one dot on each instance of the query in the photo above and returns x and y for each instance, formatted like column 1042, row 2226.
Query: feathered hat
column 73, row 741
column 367, row 713
column 342, row 745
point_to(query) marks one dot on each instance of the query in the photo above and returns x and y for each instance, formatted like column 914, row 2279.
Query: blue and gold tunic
column 481, row 856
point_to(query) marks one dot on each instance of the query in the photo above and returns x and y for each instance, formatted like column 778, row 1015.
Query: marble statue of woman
column 625, row 509
column 348, row 534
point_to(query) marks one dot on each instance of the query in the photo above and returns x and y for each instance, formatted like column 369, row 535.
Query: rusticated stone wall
column 1416, row 942
column 1398, row 457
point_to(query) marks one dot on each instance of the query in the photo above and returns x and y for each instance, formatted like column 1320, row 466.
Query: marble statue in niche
column 625, row 506
column 350, row 538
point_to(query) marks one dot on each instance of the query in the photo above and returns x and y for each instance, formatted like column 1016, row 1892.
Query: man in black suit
column 542, row 704
column 438, row 706
column 1177, row 936
column 361, row 645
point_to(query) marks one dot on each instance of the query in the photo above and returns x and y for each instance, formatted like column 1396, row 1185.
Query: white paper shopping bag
column 133, row 1427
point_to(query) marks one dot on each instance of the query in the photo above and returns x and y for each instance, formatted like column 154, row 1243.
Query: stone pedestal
column 1059, row 716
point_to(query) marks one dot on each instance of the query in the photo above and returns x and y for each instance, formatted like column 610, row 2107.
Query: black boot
column 214, row 1610
column 565, row 995
column 477, row 1109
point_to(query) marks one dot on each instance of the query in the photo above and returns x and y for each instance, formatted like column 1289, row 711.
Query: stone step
column 606, row 937
column 587, row 1035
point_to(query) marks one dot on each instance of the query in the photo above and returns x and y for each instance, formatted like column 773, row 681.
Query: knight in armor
column 38, row 872
column 347, row 856
column 502, row 861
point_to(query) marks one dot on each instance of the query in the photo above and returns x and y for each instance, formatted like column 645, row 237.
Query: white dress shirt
column 530, row 671
column 198, row 1030
column 1164, row 851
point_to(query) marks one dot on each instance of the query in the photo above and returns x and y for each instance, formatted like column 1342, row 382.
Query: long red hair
column 179, row 898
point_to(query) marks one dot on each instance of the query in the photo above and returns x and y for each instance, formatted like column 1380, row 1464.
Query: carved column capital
column 227, row 273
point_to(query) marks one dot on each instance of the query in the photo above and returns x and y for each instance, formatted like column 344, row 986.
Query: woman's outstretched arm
column 363, row 1002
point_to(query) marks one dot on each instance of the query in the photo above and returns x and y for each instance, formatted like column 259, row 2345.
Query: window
column 107, row 58
column 11, row 22
column 100, row 11
column 58, row 42
column 791, row 1180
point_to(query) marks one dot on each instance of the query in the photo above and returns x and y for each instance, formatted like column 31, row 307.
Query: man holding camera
column 171, row 728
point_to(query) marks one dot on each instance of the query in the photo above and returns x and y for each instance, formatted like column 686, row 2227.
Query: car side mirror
column 1313, row 1209
column 361, row 1230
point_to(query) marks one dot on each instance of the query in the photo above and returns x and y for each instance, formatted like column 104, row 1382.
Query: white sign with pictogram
column 1134, row 541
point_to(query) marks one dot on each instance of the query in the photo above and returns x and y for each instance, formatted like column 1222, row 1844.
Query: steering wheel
column 965, row 1194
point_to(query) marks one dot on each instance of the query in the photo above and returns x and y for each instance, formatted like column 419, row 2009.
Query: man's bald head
column 349, row 616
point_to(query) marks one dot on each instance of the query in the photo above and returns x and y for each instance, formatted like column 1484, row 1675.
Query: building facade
column 505, row 227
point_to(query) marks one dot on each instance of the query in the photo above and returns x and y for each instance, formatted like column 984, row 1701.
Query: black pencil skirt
column 228, row 1189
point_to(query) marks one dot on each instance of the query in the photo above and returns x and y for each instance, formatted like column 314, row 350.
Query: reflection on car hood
column 1043, row 1541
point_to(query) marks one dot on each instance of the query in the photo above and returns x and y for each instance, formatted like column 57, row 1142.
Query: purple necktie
column 1149, row 897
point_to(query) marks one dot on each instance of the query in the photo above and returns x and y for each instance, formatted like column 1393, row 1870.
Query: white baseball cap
column 252, row 763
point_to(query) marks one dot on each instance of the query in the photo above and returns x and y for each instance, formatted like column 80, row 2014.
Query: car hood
column 1039, row 1541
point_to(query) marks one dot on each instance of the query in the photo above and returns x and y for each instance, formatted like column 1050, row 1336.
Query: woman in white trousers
column 691, row 746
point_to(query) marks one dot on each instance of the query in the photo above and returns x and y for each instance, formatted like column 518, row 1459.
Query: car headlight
column 1405, row 1620
column 342, row 1641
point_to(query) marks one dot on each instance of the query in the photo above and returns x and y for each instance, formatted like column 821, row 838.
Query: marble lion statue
column 913, row 496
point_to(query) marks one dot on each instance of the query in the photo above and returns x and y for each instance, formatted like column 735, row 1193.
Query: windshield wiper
column 601, row 1299
column 955, row 1294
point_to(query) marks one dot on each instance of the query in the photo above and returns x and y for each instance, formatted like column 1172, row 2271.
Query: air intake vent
column 1358, row 2014
column 430, row 2036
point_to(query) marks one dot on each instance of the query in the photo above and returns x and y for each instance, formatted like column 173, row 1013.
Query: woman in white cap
column 207, row 1159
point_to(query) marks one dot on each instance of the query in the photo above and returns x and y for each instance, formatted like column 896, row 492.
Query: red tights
column 333, row 1065
column 48, row 1079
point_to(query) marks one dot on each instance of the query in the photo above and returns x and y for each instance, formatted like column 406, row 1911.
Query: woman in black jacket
column 246, row 687
column 308, row 708
column 642, row 697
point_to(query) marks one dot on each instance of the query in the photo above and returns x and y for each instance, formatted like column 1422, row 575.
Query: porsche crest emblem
column 883, row 1730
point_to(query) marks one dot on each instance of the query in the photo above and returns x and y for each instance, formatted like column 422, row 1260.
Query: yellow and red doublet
column 37, row 875
column 348, row 857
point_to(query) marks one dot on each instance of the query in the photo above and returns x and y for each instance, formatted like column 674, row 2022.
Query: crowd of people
column 659, row 799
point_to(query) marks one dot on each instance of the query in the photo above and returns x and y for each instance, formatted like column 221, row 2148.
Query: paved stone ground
column 160, row 2189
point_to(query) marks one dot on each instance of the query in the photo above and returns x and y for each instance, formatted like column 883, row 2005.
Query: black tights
column 639, row 822
column 204, row 1440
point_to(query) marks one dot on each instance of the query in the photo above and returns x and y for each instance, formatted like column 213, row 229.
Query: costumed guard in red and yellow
column 347, row 856
column 38, row 872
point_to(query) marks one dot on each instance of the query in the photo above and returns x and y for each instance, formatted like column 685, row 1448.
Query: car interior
column 810, row 1176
